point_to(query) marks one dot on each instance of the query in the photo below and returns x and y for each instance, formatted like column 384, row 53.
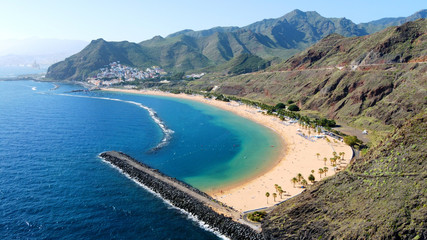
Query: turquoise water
column 53, row 185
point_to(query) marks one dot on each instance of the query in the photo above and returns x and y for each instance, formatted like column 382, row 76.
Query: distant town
column 116, row 73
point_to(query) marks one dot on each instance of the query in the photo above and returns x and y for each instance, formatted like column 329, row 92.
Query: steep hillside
column 190, row 50
column 178, row 53
column 281, row 37
column 382, row 196
column 377, row 25
column 98, row 54
column 243, row 63
column 299, row 29
column 370, row 82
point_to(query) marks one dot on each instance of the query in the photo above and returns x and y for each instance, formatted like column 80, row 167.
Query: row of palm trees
column 322, row 170
column 301, row 180
column 333, row 160
column 313, row 127
column 279, row 191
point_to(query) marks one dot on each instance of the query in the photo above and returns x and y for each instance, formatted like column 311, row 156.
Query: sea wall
column 181, row 195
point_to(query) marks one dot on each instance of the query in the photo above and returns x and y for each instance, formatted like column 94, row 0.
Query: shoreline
column 297, row 155
column 221, row 105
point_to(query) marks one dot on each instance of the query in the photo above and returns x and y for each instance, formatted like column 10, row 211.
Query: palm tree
column 299, row 177
column 320, row 172
column 294, row 180
column 318, row 155
column 274, row 196
column 325, row 159
column 332, row 160
column 304, row 183
column 312, row 171
column 281, row 192
column 311, row 178
column 325, row 170
column 267, row 194
column 276, row 186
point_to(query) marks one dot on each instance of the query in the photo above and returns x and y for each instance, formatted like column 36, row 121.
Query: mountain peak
column 189, row 50
column 300, row 14
column 180, row 33
column 157, row 38
column 419, row 14
column 99, row 40
column 296, row 11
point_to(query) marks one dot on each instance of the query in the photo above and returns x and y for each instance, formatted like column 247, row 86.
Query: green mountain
column 382, row 196
column 189, row 50
column 243, row 63
column 299, row 29
column 370, row 82
column 281, row 37
column 377, row 25
column 98, row 54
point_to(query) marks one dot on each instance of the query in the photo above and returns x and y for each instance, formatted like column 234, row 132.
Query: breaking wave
column 167, row 132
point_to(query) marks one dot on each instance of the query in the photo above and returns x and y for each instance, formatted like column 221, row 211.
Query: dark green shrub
column 280, row 106
column 293, row 108
column 257, row 216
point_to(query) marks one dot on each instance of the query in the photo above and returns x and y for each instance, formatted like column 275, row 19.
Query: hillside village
column 116, row 73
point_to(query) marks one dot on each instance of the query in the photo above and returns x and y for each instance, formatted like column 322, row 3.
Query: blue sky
column 138, row 20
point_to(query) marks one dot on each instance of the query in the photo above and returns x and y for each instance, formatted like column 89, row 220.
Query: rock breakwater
column 220, row 217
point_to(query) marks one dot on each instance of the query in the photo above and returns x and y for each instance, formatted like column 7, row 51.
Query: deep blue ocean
column 53, row 185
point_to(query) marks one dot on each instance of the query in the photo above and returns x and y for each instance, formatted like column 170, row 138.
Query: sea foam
column 167, row 132
column 190, row 216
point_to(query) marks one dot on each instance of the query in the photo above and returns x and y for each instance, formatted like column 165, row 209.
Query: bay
column 53, row 185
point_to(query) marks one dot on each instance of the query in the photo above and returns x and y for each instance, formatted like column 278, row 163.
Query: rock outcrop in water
column 184, row 197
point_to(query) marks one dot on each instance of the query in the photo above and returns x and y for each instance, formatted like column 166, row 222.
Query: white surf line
column 166, row 131
column 190, row 216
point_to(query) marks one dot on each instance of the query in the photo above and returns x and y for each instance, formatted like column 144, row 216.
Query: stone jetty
column 220, row 217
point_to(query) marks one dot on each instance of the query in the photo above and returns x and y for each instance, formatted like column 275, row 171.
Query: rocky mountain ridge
column 190, row 50
column 370, row 82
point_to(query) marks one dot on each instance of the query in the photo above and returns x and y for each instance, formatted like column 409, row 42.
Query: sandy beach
column 300, row 155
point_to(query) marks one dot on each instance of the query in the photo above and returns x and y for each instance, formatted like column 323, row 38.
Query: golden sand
column 301, row 156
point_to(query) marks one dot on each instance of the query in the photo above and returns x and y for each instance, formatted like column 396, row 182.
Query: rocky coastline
column 183, row 196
